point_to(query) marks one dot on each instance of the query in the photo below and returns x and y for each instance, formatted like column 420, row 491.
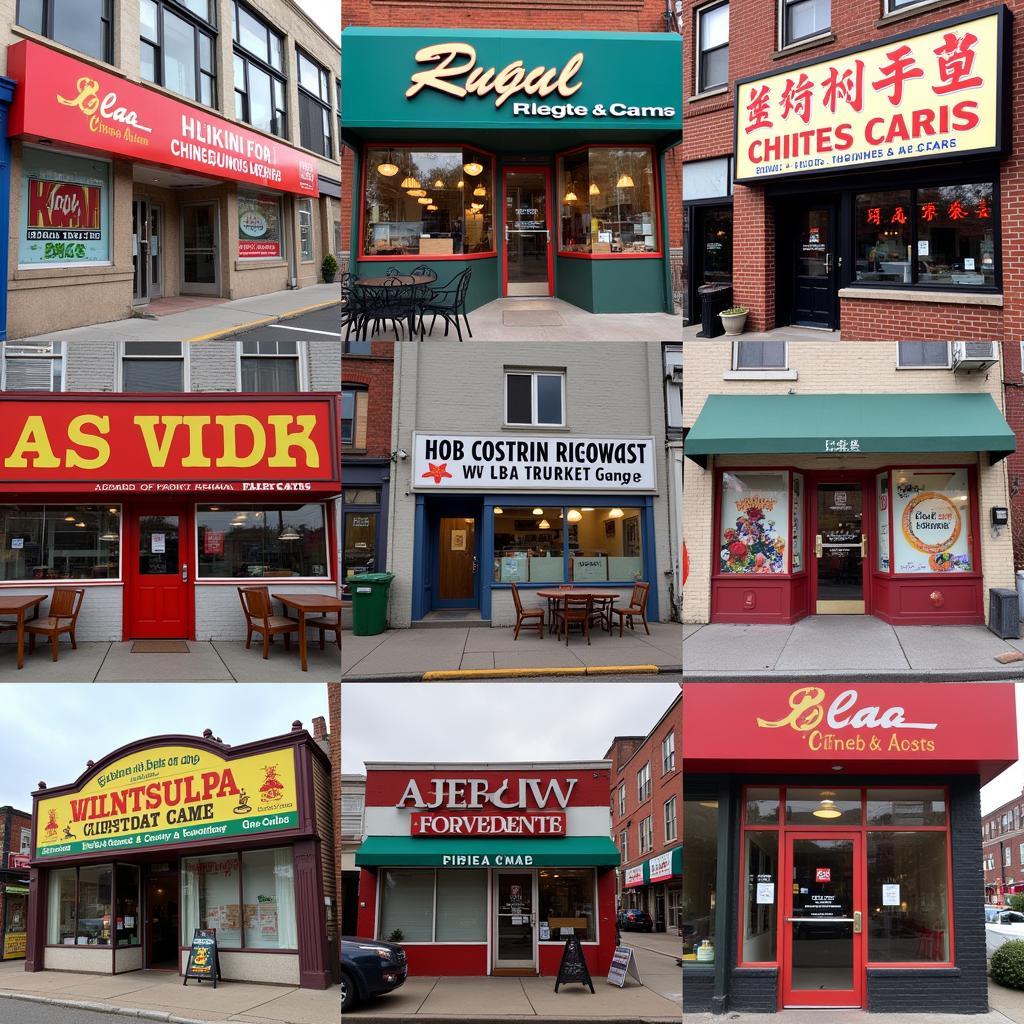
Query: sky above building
column 326, row 13
column 1010, row 784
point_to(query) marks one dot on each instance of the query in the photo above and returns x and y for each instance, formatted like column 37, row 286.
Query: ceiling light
column 827, row 807
column 417, row 192
column 543, row 525
column 537, row 512
column 570, row 196
column 625, row 181
column 461, row 184
column 498, row 511
column 424, row 200
column 410, row 182
column 288, row 533
column 387, row 169
column 575, row 515
column 80, row 524
column 594, row 189
column 439, row 183
column 473, row 168
column 479, row 191
column 616, row 513
column 432, row 208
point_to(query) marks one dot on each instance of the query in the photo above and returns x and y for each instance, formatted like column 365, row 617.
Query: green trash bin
column 370, row 602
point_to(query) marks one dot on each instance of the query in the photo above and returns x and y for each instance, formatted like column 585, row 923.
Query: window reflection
column 59, row 542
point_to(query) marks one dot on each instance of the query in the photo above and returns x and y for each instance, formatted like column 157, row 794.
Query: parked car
column 1001, row 915
column 634, row 920
column 370, row 968
column 1002, row 925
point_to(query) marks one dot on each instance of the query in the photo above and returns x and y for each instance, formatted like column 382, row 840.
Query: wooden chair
column 577, row 611
column 65, row 604
column 525, row 616
column 603, row 611
column 323, row 625
column 260, row 618
column 637, row 608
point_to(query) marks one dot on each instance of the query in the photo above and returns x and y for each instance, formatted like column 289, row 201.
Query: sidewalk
column 204, row 322
column 219, row 662
column 154, row 995
column 847, row 647
column 412, row 655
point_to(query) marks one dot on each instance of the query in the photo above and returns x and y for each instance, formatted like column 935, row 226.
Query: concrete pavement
column 407, row 655
column 839, row 647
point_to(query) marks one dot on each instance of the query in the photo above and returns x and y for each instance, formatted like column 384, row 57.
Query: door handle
column 855, row 920
column 818, row 549
column 828, row 263
column 863, row 545
column 858, row 918
column 184, row 573
column 506, row 232
column 475, row 565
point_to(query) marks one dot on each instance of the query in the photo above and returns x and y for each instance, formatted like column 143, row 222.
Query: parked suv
column 634, row 920
column 369, row 968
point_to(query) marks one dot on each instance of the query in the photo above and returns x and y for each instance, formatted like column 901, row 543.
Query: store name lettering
column 242, row 441
column 473, row 794
column 103, row 111
column 549, row 823
column 483, row 860
column 510, row 80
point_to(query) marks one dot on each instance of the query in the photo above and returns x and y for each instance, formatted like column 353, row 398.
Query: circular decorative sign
column 937, row 517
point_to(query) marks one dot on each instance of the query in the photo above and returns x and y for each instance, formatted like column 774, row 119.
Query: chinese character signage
column 926, row 94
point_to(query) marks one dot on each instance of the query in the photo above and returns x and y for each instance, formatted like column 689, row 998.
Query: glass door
column 815, row 268
column 822, row 937
column 528, row 255
column 515, row 945
column 840, row 546
column 140, row 252
column 156, row 277
column 200, row 251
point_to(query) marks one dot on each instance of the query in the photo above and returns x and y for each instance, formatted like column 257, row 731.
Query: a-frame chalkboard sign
column 574, row 965
column 203, row 962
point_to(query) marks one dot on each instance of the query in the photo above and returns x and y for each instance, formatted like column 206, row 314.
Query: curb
column 263, row 321
column 505, row 1019
column 122, row 1011
column 438, row 675
column 879, row 676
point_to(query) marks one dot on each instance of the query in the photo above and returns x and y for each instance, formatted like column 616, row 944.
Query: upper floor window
column 893, row 6
column 534, row 399
column 84, row 25
column 270, row 366
column 804, row 19
column 668, row 754
column 1007, row 853
column 314, row 106
column 32, row 366
column 643, row 783
column 760, row 355
column 671, row 821
column 622, row 799
column 922, row 355
column 177, row 47
column 153, row 366
column 260, row 79
column 624, row 844
column 712, row 47
column 353, row 417
column 645, row 834
column 26, row 841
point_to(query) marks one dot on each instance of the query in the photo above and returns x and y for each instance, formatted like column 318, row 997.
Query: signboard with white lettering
column 623, row 966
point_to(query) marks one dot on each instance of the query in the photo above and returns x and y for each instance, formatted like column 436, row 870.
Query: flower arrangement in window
column 754, row 546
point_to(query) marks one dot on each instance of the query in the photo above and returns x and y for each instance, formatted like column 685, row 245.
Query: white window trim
column 672, row 819
column 698, row 52
column 933, row 366
column 774, row 370
column 533, row 374
column 301, row 353
column 781, row 7
column 669, row 736
column 645, row 847
column 26, row 840
column 888, row 8
column 62, row 357
column 186, row 373
column 643, row 777
column 298, row 223
column 622, row 799
column 624, row 839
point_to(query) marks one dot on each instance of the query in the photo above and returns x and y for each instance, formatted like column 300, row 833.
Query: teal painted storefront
column 626, row 94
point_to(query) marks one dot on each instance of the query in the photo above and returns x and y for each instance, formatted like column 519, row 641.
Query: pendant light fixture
column 543, row 525
column 410, row 182
column 473, row 168
column 616, row 513
column 575, row 515
column 417, row 192
column 479, row 191
column 498, row 511
column 461, row 184
column 288, row 533
column 424, row 200
column 387, row 168
column 625, row 181
column 570, row 193
column 432, row 208
column 537, row 512
column 595, row 189
column 439, row 183
column 827, row 806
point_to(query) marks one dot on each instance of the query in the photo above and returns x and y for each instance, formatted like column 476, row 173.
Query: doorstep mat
column 159, row 647
column 531, row 318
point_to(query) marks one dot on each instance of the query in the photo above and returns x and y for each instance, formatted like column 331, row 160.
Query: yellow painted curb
column 607, row 670
column 310, row 309
column 500, row 673
column 234, row 330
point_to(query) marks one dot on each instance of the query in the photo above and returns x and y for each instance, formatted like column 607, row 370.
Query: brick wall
column 376, row 373
column 874, row 319
column 334, row 740
column 219, row 613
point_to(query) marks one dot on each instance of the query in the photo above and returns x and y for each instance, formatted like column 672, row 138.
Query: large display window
column 433, row 906
column 755, row 530
column 69, row 543
column 700, row 829
column 931, row 520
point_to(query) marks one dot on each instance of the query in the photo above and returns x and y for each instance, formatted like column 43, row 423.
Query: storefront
column 215, row 208
column 655, row 885
column 879, row 167
column 14, row 890
column 833, row 844
column 159, row 509
column 879, row 504
column 173, row 833
column 485, row 869
column 534, row 160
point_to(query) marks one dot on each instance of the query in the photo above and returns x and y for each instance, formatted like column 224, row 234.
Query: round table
column 417, row 281
column 555, row 596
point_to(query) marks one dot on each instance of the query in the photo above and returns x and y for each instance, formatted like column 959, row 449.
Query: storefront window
column 32, row 366
column 754, row 522
column 306, row 230
column 433, row 906
column 254, row 542
column 270, row 366
column 360, row 543
column 268, row 899
column 83, row 25
column 567, row 900
column 63, row 900
column 762, row 807
column 94, row 906
column 908, row 897
column 760, row 918
column 424, row 202
column 906, row 807
column 931, row 515
column 605, row 544
column 939, row 236
column 128, row 922
column 882, row 499
column 700, row 839
column 461, row 914
column 209, row 898
column 60, row 542
column 607, row 200
column 259, row 227
column 64, row 213
column 528, row 546
column 823, row 807
column 798, row 522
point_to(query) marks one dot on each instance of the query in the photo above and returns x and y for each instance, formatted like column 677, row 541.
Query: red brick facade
column 374, row 372
column 334, row 749
column 1002, row 834
column 12, row 821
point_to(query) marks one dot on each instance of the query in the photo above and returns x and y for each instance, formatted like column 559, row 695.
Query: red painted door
column 822, row 936
column 160, row 590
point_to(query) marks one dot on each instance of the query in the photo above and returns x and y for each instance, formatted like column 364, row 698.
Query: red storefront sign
column 493, row 791
column 287, row 444
column 75, row 103
column 63, row 211
column 550, row 824
column 875, row 727
column 17, row 862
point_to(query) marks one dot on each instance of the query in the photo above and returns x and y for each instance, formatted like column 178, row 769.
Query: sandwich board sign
column 573, row 966
column 203, row 962
column 623, row 966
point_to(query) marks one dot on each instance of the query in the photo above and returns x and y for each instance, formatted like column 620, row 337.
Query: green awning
column 844, row 424
column 410, row 851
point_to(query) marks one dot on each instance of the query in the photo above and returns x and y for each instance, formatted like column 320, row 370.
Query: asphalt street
column 17, row 1011
column 318, row 323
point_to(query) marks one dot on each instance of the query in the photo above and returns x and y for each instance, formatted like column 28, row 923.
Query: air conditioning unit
column 974, row 355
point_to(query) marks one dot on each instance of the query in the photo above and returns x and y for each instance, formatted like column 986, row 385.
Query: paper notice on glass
column 922, row 246
column 766, row 892
column 968, row 263
column 890, row 895
column 17, row 543
column 545, row 931
column 517, row 920
column 158, row 543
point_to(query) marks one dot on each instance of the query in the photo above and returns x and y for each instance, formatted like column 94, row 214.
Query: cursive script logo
column 511, row 79
column 807, row 711
column 106, row 108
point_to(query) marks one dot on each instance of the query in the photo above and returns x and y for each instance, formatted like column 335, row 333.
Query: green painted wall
column 612, row 286
column 484, row 283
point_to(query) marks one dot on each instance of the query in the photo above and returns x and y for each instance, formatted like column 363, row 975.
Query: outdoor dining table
column 305, row 604
column 418, row 281
column 19, row 604
column 555, row 597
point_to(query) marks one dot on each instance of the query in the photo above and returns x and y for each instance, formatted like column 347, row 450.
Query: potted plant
column 734, row 319
column 329, row 268
column 396, row 936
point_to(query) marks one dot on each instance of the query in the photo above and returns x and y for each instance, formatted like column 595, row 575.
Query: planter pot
column 329, row 278
column 733, row 322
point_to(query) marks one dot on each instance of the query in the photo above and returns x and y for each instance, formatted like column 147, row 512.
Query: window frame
column 670, row 819
column 25, row 841
column 645, row 835
column 900, row 365
column 737, row 368
column 784, row 42
column 301, row 356
column 644, row 783
column 247, row 57
column 624, row 844
column 889, row 7
column 199, row 26
column 356, row 390
column 622, row 799
column 699, row 52
column 533, row 374
column 186, row 373
column 77, row 868
column 303, row 204
column 669, row 754
column 107, row 17
column 324, row 104
column 488, row 874
column 61, row 354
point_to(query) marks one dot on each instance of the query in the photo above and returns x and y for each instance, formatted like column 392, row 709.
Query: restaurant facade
column 848, row 168
column 485, row 869
column 498, row 474
column 173, row 833
column 15, row 851
column 538, row 160
column 172, row 149
column 889, row 500
column 833, row 845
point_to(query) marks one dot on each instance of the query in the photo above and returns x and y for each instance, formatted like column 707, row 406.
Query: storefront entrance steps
column 406, row 655
column 159, row 995
column 847, row 647
column 206, row 321
column 444, row 618
column 214, row 662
